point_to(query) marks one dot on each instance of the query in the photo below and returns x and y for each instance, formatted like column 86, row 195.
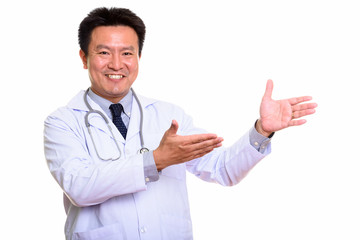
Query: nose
column 116, row 62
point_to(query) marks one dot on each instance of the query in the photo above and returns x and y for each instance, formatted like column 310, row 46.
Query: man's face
column 112, row 61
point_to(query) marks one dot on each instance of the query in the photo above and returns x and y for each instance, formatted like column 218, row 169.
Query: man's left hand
column 279, row 114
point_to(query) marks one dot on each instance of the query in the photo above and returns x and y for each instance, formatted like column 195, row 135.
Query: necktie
column 116, row 110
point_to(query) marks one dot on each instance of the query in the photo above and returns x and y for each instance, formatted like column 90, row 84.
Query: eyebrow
column 101, row 46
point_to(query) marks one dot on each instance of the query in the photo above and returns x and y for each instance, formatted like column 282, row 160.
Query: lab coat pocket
column 110, row 232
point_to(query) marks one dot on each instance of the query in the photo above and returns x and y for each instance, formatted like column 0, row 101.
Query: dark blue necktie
column 116, row 110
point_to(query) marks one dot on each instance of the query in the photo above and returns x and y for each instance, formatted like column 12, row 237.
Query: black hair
column 110, row 17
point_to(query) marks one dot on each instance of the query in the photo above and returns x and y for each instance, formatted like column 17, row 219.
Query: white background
column 213, row 59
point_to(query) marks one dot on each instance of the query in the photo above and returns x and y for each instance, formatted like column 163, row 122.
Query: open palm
column 279, row 114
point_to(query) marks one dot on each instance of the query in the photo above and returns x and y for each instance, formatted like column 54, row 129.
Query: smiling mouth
column 114, row 76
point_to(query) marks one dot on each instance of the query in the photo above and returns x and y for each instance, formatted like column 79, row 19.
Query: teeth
column 115, row 76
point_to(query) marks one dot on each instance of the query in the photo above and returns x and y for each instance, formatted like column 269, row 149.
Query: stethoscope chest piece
column 143, row 150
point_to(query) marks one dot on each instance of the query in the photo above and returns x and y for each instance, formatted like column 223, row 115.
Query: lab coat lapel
column 95, row 120
column 98, row 122
column 134, row 124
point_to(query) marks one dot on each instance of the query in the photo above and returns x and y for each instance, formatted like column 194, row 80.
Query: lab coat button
column 143, row 230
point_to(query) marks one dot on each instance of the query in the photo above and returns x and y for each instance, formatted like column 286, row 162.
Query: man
column 111, row 191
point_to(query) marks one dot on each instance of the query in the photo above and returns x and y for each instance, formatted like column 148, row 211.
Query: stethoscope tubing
column 92, row 111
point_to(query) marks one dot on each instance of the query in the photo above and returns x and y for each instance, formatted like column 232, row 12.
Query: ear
column 83, row 59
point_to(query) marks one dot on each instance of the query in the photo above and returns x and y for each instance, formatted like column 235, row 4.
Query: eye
column 127, row 53
column 103, row 53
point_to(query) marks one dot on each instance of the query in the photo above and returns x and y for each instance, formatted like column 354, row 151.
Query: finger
column 303, row 107
column 269, row 89
column 201, row 149
column 174, row 127
column 208, row 143
column 198, row 138
column 199, row 155
column 297, row 100
column 299, row 114
column 297, row 122
column 197, row 148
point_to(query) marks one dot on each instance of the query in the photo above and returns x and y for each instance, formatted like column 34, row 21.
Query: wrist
column 157, row 159
column 259, row 129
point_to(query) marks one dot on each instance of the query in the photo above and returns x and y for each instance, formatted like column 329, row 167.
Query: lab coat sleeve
column 85, row 180
column 226, row 166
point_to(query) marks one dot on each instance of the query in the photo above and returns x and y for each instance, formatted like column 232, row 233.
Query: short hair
column 110, row 17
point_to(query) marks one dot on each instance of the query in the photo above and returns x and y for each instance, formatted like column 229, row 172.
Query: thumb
column 269, row 89
column 174, row 127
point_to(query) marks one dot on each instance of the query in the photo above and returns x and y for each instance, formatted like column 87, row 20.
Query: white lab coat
column 109, row 200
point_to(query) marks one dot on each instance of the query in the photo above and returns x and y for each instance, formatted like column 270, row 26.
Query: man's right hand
column 175, row 149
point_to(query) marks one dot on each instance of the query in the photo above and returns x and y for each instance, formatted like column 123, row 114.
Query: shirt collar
column 126, row 102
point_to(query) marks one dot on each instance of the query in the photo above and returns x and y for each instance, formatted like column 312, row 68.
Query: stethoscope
column 93, row 111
